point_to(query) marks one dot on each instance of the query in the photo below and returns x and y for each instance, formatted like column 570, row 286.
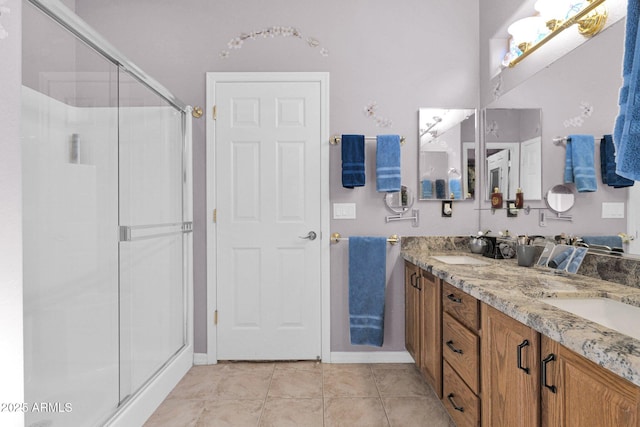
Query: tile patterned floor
column 300, row 394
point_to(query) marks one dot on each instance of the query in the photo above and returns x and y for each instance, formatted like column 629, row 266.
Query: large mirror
column 578, row 94
column 513, row 151
column 447, row 153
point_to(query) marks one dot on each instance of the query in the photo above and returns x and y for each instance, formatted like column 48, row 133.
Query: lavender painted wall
column 11, row 336
column 401, row 55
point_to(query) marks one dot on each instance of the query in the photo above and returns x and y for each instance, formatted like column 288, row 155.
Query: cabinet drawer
column 461, row 305
column 461, row 403
column 461, row 347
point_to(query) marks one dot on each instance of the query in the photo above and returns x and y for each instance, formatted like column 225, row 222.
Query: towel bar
column 334, row 140
column 336, row 237
column 562, row 140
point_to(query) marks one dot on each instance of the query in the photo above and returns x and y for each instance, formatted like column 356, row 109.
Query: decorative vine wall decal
column 4, row 10
column 370, row 111
column 577, row 121
column 271, row 32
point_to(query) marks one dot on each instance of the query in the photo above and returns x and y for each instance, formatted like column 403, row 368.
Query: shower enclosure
column 107, row 221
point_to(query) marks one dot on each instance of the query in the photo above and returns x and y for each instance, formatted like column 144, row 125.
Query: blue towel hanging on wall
column 353, row 174
column 608, row 165
column 388, row 174
column 367, row 284
column 580, row 163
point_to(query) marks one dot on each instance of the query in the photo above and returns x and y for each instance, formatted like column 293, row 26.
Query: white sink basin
column 460, row 259
column 613, row 314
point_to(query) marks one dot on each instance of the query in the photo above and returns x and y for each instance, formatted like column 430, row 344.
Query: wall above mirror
column 513, row 152
column 446, row 153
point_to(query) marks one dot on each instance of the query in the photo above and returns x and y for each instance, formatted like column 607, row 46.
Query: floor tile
column 176, row 412
column 292, row 413
column 349, row 381
column 294, row 383
column 400, row 382
column 354, row 412
column 230, row 413
column 416, row 411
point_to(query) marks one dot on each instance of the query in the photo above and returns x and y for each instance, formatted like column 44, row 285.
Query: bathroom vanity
column 507, row 357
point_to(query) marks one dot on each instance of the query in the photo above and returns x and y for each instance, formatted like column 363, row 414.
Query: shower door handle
column 311, row 236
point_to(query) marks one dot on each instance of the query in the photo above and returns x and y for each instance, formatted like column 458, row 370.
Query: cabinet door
column 431, row 327
column 411, row 311
column 578, row 393
column 510, row 371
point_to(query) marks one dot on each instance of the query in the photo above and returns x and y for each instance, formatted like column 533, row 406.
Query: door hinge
column 215, row 215
column 214, row 112
column 215, row 317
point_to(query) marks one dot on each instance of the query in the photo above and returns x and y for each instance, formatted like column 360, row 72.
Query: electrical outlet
column 542, row 218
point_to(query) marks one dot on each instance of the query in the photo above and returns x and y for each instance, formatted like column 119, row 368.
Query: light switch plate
column 612, row 209
column 344, row 211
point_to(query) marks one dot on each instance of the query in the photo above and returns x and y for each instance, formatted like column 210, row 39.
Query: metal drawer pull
column 453, row 298
column 455, row 350
column 545, row 361
column 456, row 407
column 524, row 344
column 413, row 276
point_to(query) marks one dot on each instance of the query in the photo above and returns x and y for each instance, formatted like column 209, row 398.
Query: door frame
column 247, row 77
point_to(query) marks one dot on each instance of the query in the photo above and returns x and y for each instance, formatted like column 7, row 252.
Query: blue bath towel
column 388, row 175
column 441, row 189
column 631, row 35
column 611, row 241
column 427, row 189
column 608, row 165
column 367, row 283
column 353, row 161
column 455, row 187
column 627, row 127
column 580, row 163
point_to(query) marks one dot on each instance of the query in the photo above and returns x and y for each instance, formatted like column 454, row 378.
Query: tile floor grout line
column 384, row 408
column 264, row 402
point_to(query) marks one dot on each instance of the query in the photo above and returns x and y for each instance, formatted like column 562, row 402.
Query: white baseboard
column 200, row 359
column 371, row 357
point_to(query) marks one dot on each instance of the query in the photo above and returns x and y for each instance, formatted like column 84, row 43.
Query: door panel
column 267, row 142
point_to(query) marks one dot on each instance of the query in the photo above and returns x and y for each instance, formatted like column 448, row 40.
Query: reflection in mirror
column 560, row 198
column 446, row 168
column 399, row 201
column 513, row 145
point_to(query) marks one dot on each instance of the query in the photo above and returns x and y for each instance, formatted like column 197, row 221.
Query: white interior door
column 531, row 168
column 268, row 209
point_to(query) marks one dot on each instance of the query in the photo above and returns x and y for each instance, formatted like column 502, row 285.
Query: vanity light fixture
column 529, row 34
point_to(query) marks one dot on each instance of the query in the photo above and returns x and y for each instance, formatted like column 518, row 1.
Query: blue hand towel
column 608, row 165
column 388, row 175
column 629, row 75
column 441, row 191
column 367, row 282
column 561, row 260
column 427, row 189
column 627, row 127
column 455, row 187
column 611, row 241
column 580, row 163
column 353, row 161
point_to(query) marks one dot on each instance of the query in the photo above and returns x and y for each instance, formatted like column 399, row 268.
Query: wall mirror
column 513, row 151
column 560, row 198
column 447, row 153
column 399, row 201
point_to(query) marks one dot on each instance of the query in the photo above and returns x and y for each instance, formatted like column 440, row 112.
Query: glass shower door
column 152, row 267
column 70, row 216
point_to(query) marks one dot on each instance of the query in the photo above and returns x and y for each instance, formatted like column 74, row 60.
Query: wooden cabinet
column 423, row 323
column 578, row 393
column 510, row 371
column 431, row 330
column 461, row 354
column 412, row 310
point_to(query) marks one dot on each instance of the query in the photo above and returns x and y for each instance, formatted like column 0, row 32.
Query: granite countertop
column 516, row 291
